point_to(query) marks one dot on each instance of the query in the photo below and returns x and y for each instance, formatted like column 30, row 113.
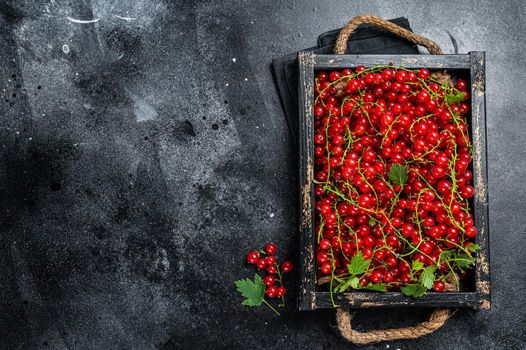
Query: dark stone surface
column 140, row 163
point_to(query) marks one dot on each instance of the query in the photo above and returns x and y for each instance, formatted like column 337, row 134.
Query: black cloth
column 366, row 39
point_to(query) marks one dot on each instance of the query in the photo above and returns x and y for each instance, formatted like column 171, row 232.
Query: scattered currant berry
column 272, row 292
column 272, row 269
column 286, row 266
column 261, row 263
column 272, row 282
column 270, row 260
column 253, row 257
column 269, row 280
column 271, row 249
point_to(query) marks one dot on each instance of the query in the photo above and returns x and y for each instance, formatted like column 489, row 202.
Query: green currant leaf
column 464, row 260
column 417, row 266
column 427, row 278
column 446, row 255
column 375, row 287
column 358, row 264
column 252, row 291
column 372, row 222
column 472, row 247
column 413, row 290
column 398, row 174
column 353, row 283
column 450, row 99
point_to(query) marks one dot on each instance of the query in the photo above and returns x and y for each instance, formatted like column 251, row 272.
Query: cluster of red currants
column 392, row 173
column 266, row 260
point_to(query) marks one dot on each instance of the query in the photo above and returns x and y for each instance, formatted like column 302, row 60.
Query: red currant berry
column 325, row 244
column 423, row 73
column 376, row 276
column 426, row 247
column 335, row 75
column 423, row 96
column 272, row 291
column 286, row 266
column 271, row 249
column 272, row 269
column 401, row 76
column 319, row 111
column 322, row 257
column 408, row 230
column 261, row 264
column 326, row 268
column 269, row 280
column 319, row 139
column 322, row 76
column 270, row 260
column 252, row 257
column 467, row 191
column 429, row 196
column 439, row 286
column 471, row 231
column 405, row 278
column 461, row 85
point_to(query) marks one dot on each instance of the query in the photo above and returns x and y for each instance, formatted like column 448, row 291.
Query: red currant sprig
column 267, row 260
column 272, row 284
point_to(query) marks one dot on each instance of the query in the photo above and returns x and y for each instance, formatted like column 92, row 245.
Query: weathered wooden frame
column 472, row 66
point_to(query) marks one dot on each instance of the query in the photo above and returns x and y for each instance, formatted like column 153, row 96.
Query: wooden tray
column 470, row 67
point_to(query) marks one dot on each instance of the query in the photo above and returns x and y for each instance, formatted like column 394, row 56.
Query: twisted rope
column 341, row 42
column 434, row 322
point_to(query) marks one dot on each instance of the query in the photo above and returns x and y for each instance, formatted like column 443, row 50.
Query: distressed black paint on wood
column 407, row 61
column 373, row 300
column 472, row 66
column 306, row 148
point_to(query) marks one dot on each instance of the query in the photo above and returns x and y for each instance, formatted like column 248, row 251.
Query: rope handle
column 439, row 316
column 434, row 322
column 350, row 27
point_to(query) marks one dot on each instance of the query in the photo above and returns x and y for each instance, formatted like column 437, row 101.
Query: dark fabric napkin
column 366, row 39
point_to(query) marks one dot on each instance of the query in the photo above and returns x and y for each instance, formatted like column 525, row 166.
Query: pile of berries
column 266, row 260
column 392, row 178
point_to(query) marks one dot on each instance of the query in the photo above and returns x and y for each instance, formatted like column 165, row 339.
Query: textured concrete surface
column 140, row 162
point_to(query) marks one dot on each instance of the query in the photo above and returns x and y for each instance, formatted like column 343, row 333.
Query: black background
column 140, row 163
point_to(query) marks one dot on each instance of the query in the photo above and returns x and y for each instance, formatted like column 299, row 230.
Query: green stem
column 270, row 306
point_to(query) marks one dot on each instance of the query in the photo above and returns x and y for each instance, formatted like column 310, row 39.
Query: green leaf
column 375, row 287
column 398, row 174
column 446, row 255
column 358, row 264
column 417, row 266
column 413, row 290
column 427, row 278
column 372, row 222
column 450, row 99
column 464, row 260
column 472, row 247
column 252, row 291
column 353, row 283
